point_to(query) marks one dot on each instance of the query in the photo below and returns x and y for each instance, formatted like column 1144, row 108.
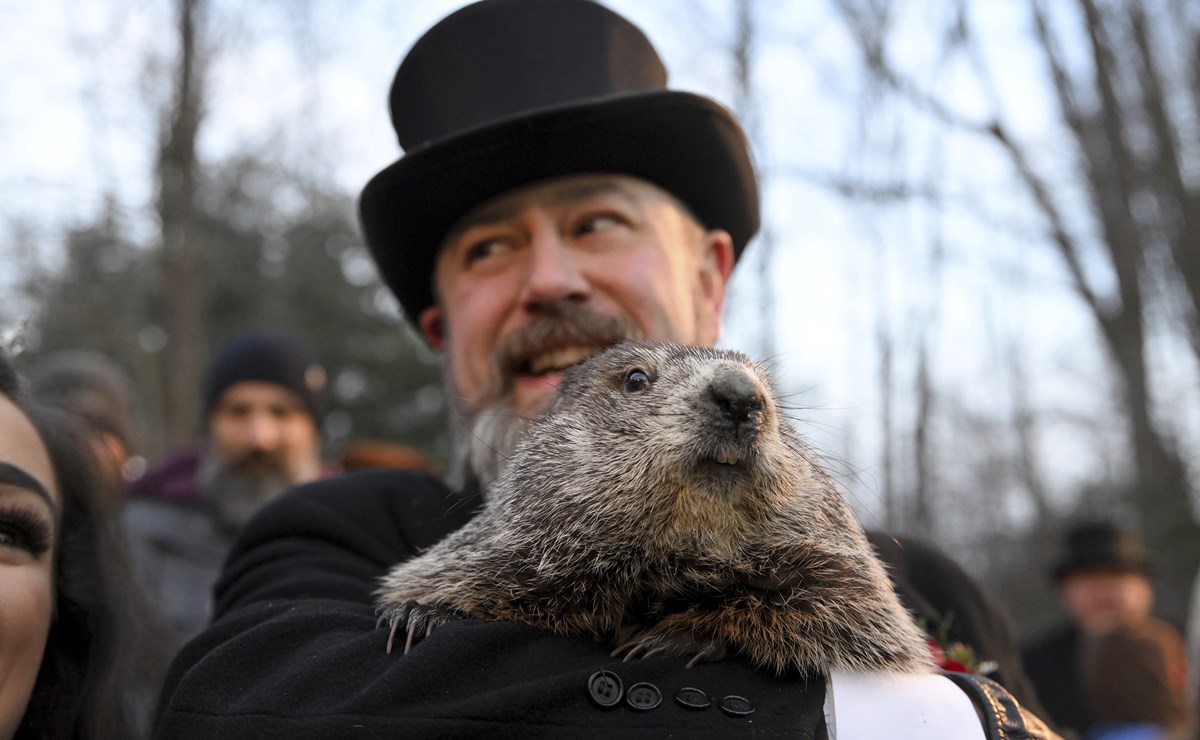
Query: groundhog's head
column 682, row 441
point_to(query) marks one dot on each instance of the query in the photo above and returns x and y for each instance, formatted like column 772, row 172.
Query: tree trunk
column 744, row 105
column 180, row 253
column 1117, row 178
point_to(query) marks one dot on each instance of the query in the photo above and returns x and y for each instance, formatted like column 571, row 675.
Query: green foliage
column 277, row 252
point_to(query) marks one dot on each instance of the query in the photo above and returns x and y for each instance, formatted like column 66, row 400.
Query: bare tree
column 745, row 44
column 1132, row 111
column 1149, row 219
column 179, row 257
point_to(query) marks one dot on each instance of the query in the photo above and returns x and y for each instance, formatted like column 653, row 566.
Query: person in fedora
column 555, row 197
column 1109, row 642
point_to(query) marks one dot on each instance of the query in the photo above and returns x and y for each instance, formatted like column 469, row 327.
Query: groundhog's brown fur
column 665, row 504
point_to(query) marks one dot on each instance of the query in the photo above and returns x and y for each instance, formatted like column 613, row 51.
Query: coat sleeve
column 939, row 591
column 334, row 538
column 294, row 652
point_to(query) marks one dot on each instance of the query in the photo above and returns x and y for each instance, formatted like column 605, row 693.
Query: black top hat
column 1102, row 545
column 503, row 93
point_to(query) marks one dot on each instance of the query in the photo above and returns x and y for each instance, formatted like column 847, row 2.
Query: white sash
column 870, row 706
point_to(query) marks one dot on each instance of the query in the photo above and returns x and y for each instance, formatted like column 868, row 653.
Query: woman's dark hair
column 104, row 655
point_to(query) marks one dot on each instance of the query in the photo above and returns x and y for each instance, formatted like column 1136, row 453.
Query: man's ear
column 716, row 265
column 432, row 326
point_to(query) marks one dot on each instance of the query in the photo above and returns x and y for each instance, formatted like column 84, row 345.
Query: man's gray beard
column 484, row 440
column 487, row 432
column 236, row 496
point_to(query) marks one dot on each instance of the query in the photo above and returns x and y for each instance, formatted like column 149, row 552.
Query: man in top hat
column 555, row 197
column 262, row 410
column 1109, row 645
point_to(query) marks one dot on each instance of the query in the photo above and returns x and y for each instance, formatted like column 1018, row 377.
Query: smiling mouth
column 556, row 360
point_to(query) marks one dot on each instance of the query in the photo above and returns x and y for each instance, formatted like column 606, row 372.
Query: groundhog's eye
column 636, row 381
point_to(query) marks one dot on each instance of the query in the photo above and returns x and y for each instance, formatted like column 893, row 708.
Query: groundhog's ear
column 571, row 377
column 555, row 402
column 566, row 383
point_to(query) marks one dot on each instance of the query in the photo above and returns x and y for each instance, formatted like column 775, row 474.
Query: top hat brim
column 687, row 144
column 1067, row 568
column 1138, row 564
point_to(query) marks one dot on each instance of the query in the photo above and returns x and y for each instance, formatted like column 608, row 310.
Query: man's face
column 262, row 440
column 542, row 277
column 257, row 426
column 1100, row 600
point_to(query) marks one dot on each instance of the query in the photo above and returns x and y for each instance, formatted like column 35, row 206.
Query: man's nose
column 260, row 432
column 554, row 274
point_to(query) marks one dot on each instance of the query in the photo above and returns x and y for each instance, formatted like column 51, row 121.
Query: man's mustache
column 487, row 428
column 257, row 462
column 567, row 326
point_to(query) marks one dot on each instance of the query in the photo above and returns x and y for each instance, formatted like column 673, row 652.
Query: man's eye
column 592, row 224
column 486, row 248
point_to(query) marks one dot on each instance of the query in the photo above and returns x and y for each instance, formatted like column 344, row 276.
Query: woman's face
column 29, row 506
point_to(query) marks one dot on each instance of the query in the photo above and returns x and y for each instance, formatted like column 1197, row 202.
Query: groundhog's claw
column 709, row 654
column 419, row 621
column 671, row 644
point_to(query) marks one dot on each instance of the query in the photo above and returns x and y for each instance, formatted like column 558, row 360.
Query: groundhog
column 663, row 503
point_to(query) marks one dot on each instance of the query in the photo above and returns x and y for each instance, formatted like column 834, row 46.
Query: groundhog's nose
column 737, row 396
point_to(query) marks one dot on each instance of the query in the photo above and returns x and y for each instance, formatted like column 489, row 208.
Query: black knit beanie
column 269, row 357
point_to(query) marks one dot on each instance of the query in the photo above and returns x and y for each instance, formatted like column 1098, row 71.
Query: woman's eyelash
column 24, row 529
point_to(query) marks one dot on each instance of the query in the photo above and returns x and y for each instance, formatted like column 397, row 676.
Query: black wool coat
column 294, row 652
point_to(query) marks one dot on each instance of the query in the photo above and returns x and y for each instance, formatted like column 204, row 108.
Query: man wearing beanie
column 262, row 409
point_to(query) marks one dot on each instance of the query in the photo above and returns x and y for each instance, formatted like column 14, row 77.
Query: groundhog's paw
column 416, row 620
column 688, row 644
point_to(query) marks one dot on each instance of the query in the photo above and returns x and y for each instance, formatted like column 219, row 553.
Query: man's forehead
column 258, row 392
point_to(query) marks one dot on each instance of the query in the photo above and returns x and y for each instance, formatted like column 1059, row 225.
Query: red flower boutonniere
column 954, row 656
